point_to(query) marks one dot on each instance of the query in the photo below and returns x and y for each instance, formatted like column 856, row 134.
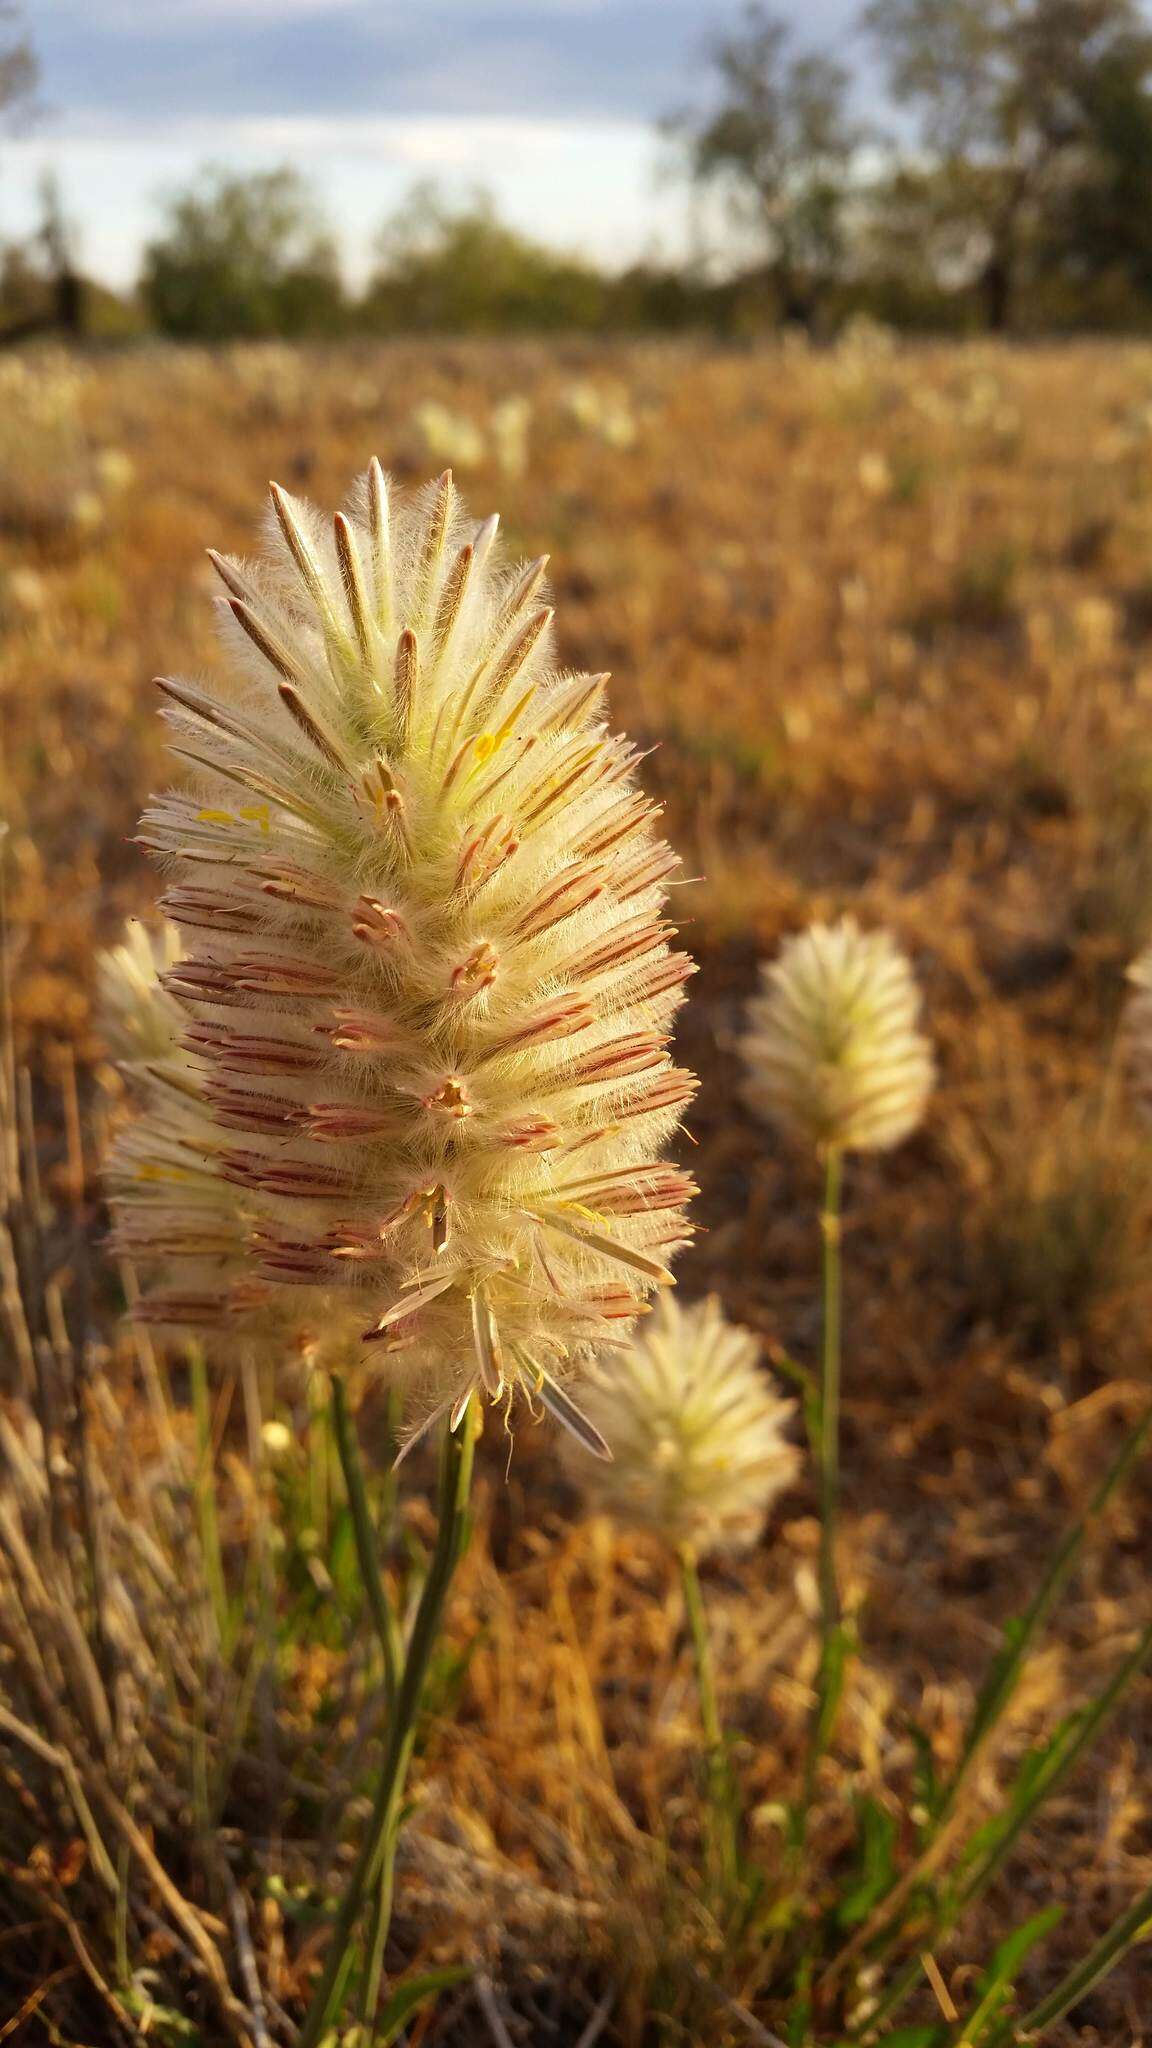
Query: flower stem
column 367, row 1539
column 833, row 1644
column 721, row 1791
column 831, row 1290
column 378, row 1845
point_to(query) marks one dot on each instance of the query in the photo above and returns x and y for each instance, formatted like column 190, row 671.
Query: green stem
column 378, row 1925
column 367, row 1530
column 1083, row 1977
column 721, row 1792
column 831, row 1293
column 367, row 1539
column 451, row 1537
column 205, row 1492
column 829, row 1675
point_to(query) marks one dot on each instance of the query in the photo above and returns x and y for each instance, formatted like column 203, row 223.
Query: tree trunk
column 995, row 288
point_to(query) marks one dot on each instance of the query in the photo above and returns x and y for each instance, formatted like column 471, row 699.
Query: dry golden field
column 883, row 615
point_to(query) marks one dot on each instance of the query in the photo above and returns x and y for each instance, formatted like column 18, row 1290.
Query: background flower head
column 696, row 1429
column 833, row 1051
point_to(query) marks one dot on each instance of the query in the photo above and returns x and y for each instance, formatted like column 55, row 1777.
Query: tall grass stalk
column 205, row 1485
column 451, row 1539
column 367, row 1539
column 722, row 1815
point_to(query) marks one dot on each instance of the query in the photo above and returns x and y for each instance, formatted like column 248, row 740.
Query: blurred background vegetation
column 1002, row 185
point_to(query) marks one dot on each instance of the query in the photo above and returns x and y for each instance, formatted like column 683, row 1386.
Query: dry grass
column 887, row 615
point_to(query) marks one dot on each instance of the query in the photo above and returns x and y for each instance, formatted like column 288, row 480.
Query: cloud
column 566, row 57
column 584, row 185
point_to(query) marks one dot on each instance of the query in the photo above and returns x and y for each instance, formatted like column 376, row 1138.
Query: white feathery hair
column 697, row 1431
column 428, row 986
column 833, row 1053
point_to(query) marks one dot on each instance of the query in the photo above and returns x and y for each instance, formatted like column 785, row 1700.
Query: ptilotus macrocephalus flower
column 696, row 1428
column 833, row 1050
column 427, row 975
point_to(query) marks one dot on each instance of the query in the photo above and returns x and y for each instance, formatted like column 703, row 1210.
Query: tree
column 460, row 269
column 1100, row 226
column 1015, row 99
column 781, row 140
column 244, row 256
column 19, row 69
column 57, row 242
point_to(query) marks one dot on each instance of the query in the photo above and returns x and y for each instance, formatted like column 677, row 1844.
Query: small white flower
column 696, row 1429
column 448, row 436
column 832, row 1049
column 115, row 469
column 508, row 431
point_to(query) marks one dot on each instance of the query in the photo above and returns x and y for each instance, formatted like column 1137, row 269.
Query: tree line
column 1003, row 182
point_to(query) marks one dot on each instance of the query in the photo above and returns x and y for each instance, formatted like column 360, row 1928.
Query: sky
column 549, row 104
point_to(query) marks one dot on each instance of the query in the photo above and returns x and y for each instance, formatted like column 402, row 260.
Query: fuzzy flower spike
column 833, row 1050
column 427, row 980
column 697, row 1430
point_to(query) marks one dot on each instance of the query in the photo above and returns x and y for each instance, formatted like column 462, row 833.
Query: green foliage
column 876, row 1865
column 407, row 2000
column 243, row 256
column 997, row 1983
column 1036, row 122
column 460, row 269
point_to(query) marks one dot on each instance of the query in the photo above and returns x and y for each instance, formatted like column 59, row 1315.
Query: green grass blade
column 1049, row 1771
column 1004, row 1675
column 408, row 1998
column 1133, row 1926
column 1000, row 1977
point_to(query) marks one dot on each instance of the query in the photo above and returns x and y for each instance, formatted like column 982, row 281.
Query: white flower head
column 428, row 985
column 833, row 1051
column 696, row 1429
